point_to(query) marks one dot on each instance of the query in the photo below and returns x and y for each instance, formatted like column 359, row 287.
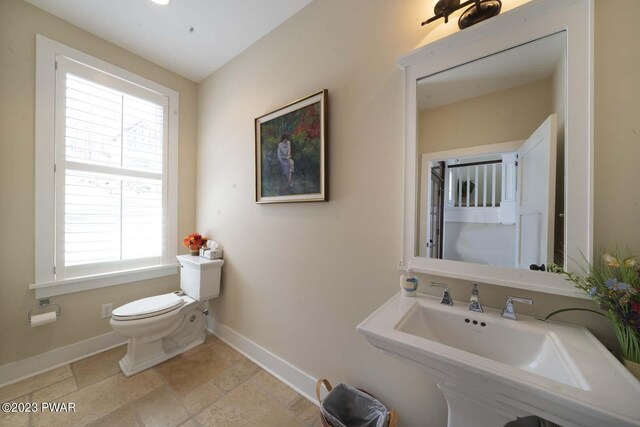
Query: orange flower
column 194, row 241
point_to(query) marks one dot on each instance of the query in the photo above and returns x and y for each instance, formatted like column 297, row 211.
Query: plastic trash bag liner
column 346, row 406
column 531, row 421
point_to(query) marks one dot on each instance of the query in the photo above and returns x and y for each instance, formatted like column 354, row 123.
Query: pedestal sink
column 493, row 370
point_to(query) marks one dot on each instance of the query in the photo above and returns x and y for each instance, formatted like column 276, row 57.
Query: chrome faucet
column 446, row 293
column 474, row 304
column 508, row 312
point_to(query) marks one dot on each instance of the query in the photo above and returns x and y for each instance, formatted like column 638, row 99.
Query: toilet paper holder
column 44, row 303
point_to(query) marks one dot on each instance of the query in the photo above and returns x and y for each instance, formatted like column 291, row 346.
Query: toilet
column 163, row 326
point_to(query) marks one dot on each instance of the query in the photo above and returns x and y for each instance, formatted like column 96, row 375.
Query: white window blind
column 111, row 170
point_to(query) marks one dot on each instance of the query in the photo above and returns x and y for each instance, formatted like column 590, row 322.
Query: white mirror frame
column 531, row 21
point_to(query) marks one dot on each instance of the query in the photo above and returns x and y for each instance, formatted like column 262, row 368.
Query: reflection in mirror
column 491, row 150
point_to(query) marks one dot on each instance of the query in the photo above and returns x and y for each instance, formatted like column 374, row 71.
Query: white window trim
column 45, row 284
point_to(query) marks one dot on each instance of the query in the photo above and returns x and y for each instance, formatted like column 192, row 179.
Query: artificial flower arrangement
column 194, row 242
column 614, row 284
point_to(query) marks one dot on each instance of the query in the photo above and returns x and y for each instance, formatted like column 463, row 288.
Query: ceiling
column 190, row 37
column 515, row 67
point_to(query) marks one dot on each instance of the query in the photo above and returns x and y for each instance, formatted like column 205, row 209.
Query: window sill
column 78, row 284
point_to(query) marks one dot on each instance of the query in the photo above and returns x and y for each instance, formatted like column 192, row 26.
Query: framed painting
column 291, row 152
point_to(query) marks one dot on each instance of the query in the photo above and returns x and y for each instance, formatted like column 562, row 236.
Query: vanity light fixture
column 478, row 11
column 161, row 2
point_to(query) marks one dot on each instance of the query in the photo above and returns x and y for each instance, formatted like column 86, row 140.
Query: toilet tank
column 200, row 277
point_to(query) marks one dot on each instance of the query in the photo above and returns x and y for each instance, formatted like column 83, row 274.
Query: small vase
column 195, row 252
column 632, row 367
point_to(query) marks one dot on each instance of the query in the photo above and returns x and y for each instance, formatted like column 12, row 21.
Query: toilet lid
column 147, row 307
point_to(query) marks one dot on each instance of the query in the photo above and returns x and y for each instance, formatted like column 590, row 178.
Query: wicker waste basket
column 345, row 406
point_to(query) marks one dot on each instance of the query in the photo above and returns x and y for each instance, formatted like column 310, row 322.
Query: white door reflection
column 491, row 204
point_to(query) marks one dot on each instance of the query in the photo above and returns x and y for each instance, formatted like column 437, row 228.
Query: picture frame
column 291, row 152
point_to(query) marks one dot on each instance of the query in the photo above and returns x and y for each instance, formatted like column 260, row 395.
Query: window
column 106, row 177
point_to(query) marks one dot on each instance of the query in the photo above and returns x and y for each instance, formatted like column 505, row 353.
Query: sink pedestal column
column 470, row 407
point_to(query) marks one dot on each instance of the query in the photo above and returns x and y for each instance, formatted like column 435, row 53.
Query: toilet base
column 146, row 351
column 128, row 368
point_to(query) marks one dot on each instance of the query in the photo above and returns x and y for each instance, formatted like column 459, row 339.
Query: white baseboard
column 34, row 365
column 289, row 374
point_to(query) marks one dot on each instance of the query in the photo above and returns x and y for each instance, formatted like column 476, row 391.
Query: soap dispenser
column 409, row 284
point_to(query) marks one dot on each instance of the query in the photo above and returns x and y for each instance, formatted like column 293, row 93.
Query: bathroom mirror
column 491, row 149
column 498, row 177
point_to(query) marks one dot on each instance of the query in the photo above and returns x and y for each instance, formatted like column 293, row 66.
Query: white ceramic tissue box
column 211, row 253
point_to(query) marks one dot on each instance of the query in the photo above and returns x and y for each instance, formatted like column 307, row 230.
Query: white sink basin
column 493, row 370
column 517, row 344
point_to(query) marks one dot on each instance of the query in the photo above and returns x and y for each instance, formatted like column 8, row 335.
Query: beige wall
column 504, row 116
column 617, row 125
column 298, row 278
column 19, row 22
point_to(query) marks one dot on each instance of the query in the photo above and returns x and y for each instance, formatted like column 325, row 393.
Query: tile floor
column 210, row 385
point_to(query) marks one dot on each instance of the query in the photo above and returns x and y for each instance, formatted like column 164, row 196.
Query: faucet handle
column 474, row 303
column 509, row 312
column 446, row 293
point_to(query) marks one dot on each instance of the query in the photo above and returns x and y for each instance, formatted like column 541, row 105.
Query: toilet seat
column 148, row 307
